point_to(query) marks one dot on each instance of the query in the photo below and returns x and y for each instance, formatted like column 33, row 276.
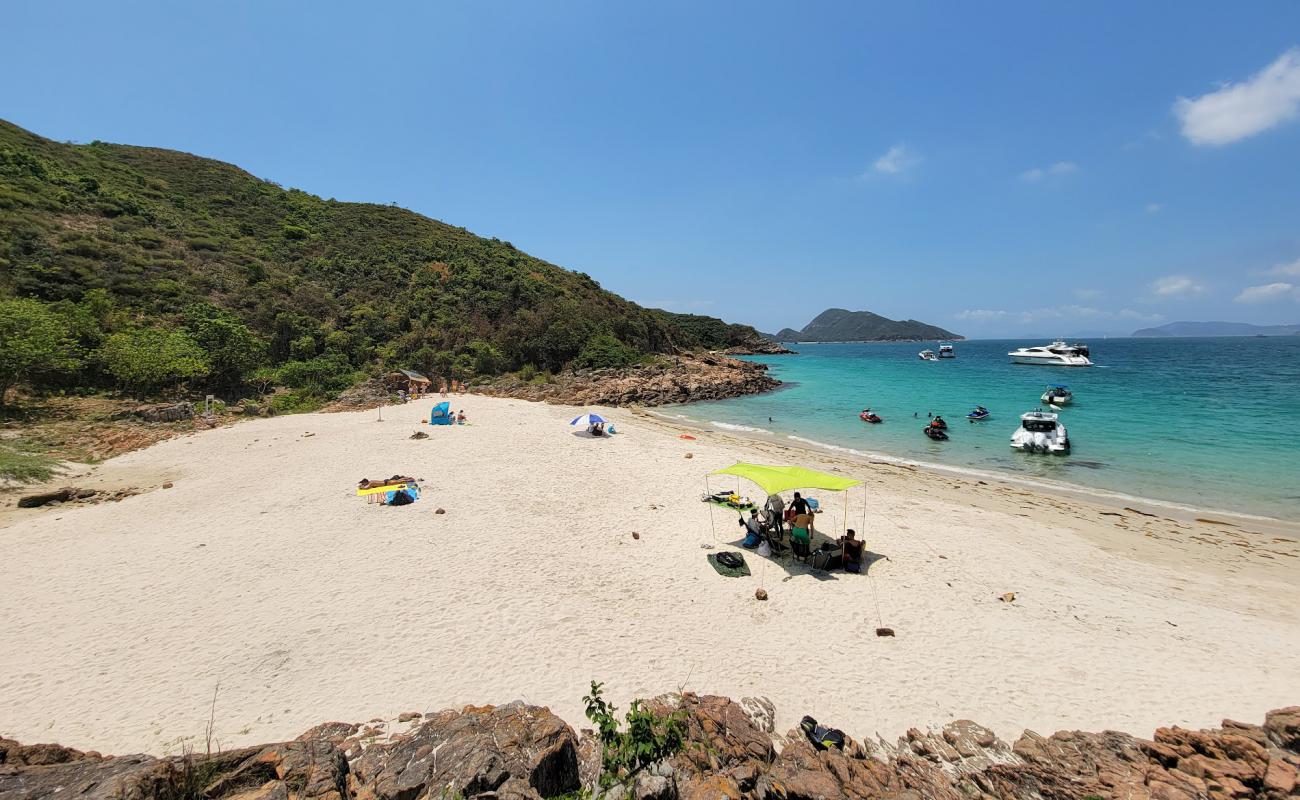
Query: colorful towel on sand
column 725, row 571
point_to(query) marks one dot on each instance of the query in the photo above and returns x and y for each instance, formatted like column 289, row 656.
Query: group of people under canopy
column 798, row 518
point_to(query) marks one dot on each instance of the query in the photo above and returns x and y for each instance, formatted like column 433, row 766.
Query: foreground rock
column 521, row 751
column 679, row 379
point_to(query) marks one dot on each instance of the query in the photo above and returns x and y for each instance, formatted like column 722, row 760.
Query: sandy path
column 262, row 572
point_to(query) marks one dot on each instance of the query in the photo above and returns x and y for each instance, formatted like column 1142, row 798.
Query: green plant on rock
column 647, row 739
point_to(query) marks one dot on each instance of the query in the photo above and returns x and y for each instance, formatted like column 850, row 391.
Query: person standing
column 776, row 512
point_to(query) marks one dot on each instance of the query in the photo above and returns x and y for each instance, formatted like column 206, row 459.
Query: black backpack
column 822, row 738
column 401, row 497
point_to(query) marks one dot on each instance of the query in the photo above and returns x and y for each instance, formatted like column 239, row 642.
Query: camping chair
column 801, row 544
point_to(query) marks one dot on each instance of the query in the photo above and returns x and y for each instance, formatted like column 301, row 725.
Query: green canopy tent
column 774, row 480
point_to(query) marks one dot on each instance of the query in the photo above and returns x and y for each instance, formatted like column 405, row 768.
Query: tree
column 147, row 360
column 603, row 350
column 232, row 349
column 34, row 341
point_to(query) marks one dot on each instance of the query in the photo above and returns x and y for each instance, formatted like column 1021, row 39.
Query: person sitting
column 460, row 417
column 852, row 551
column 753, row 530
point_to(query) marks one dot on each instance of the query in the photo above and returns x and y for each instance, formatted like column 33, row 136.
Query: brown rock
column 168, row 485
column 408, row 716
column 440, row 511
column 760, row 594
column 1008, row 597
column 636, row 535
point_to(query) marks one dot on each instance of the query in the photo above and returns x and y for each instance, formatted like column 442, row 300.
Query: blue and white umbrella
column 587, row 419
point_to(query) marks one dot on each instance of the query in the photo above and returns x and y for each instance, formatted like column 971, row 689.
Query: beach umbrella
column 587, row 419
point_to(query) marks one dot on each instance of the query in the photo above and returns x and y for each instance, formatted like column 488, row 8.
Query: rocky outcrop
column 759, row 347
column 676, row 379
column 518, row 751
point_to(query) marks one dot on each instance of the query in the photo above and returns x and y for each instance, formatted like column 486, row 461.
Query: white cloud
column 1267, row 292
column 896, row 160
column 1154, row 208
column 1059, row 168
column 1292, row 269
column 1176, row 286
column 980, row 314
column 1238, row 110
column 1087, row 294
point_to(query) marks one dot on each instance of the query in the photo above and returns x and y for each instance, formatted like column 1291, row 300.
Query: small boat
column 1057, row 395
column 946, row 350
column 1056, row 354
column 980, row 413
column 927, row 355
column 935, row 434
column 1041, row 432
column 869, row 416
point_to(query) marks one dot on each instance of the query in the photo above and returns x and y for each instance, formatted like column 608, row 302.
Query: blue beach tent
column 441, row 414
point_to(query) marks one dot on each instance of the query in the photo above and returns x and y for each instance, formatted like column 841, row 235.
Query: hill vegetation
column 152, row 270
column 840, row 325
column 1174, row 329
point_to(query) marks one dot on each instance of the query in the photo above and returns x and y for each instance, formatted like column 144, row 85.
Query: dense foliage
column 123, row 242
column 646, row 739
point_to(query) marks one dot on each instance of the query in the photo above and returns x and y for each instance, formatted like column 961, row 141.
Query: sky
column 996, row 169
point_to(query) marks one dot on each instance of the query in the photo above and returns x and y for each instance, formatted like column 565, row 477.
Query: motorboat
column 869, row 416
column 1040, row 432
column 979, row 414
column 1057, row 395
column 1056, row 354
column 935, row 434
column 946, row 350
column 927, row 355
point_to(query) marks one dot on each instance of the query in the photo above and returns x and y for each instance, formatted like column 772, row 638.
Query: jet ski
column 937, row 434
column 868, row 416
column 980, row 413
column 938, row 422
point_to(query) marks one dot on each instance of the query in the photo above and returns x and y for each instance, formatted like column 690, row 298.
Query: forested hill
column 143, row 242
column 839, row 325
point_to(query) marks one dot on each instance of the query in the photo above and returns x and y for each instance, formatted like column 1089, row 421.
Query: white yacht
column 1057, row 395
column 1056, row 354
column 946, row 350
column 927, row 355
column 1040, row 432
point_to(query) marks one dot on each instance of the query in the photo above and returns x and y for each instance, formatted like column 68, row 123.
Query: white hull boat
column 1056, row 354
column 1041, row 432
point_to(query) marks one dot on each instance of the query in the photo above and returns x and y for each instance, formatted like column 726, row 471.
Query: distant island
column 840, row 325
column 1218, row 329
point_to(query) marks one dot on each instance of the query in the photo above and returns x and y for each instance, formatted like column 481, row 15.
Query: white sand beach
column 262, row 573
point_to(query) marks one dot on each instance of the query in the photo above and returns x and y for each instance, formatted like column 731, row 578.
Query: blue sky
column 998, row 169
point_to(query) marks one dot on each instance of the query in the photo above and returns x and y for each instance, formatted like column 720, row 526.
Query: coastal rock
column 518, row 751
column 679, row 379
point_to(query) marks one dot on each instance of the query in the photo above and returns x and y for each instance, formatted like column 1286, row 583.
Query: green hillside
column 156, row 251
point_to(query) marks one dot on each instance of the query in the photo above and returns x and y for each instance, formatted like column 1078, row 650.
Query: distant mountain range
column 840, row 325
column 1218, row 329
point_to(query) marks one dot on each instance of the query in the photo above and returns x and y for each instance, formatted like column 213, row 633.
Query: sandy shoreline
column 261, row 571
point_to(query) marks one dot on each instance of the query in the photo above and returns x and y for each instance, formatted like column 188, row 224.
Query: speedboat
column 946, row 350
column 1040, row 432
column 1057, row 395
column 869, row 416
column 1056, row 354
column 936, row 434
column 980, row 413
column 927, row 355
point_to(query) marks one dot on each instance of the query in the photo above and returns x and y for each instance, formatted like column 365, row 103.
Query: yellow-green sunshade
column 780, row 479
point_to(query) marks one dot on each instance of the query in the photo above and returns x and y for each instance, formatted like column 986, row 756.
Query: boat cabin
column 1038, row 422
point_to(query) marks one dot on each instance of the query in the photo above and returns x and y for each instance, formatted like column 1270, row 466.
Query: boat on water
column 935, row 434
column 927, row 355
column 1056, row 354
column 869, row 416
column 1057, row 395
column 979, row 414
column 946, row 350
column 1040, row 432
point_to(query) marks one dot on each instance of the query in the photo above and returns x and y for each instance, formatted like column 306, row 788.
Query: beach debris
column 58, row 496
column 706, row 546
column 419, row 435
column 690, row 455
column 440, row 511
column 1008, row 597
column 884, row 631
column 687, row 436
column 168, row 485
column 760, row 594
column 1135, row 511
column 307, row 433
column 636, row 535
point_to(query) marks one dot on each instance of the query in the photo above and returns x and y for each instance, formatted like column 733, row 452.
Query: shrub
column 321, row 375
column 34, row 341
column 648, row 739
column 295, row 401
column 295, row 232
column 146, row 360
column 604, row 350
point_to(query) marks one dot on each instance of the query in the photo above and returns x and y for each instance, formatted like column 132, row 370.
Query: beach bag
column 820, row 736
column 401, row 498
column 764, row 549
column 731, row 560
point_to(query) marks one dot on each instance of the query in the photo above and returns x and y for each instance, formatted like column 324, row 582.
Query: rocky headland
column 672, row 379
column 730, row 751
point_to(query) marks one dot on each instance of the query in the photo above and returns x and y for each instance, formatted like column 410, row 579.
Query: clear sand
column 263, row 573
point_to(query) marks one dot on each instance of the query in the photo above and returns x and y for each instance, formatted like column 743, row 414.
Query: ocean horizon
column 1194, row 422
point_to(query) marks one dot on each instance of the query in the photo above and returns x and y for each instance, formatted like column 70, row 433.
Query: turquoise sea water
column 1209, row 423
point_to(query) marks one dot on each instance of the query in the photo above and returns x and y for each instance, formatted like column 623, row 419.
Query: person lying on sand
column 366, row 483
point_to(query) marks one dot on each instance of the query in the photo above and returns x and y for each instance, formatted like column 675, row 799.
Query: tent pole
column 712, row 525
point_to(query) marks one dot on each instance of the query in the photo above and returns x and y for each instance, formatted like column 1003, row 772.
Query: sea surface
column 1209, row 423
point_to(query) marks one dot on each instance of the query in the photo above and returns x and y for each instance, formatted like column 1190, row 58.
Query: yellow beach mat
column 388, row 487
